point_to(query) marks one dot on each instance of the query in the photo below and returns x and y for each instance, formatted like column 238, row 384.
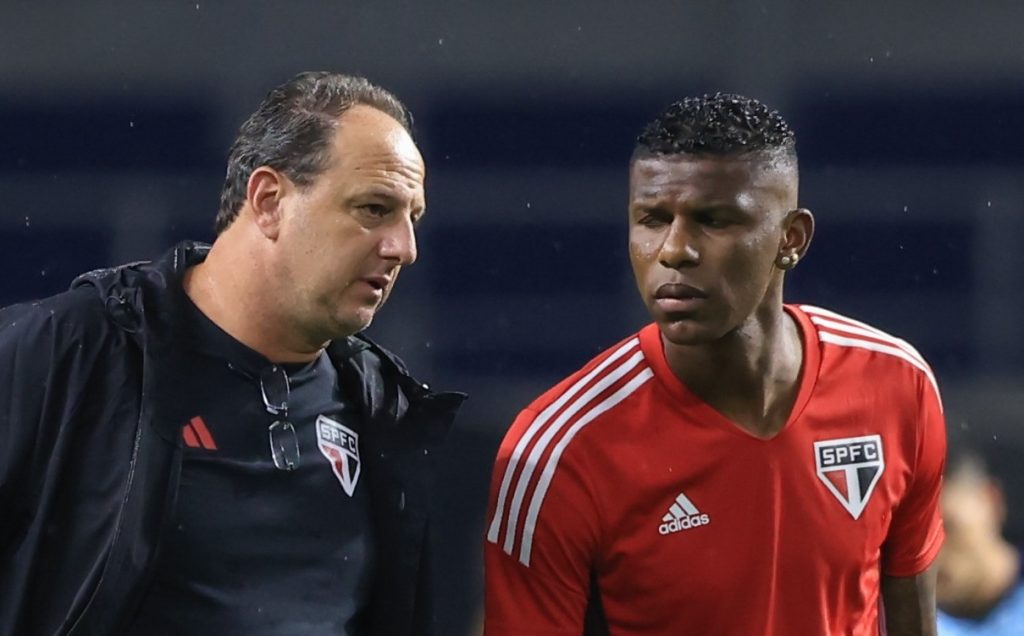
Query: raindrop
column 131, row 124
column 42, row 272
column 871, row 59
column 27, row 222
column 906, row 208
column 440, row 41
column 527, row 204
column 988, row 203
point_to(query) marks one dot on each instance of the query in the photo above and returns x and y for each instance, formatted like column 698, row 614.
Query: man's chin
column 683, row 332
column 348, row 325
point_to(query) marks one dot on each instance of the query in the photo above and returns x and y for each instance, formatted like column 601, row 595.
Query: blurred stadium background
column 115, row 119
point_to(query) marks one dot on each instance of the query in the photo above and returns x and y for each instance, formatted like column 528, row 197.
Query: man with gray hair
column 206, row 444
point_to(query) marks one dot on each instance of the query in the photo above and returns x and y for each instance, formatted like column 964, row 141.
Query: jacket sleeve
column 47, row 350
column 24, row 338
column 542, row 538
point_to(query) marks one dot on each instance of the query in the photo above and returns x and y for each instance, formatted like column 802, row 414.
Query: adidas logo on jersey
column 682, row 515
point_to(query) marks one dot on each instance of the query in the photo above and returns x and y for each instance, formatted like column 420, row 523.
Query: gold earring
column 787, row 261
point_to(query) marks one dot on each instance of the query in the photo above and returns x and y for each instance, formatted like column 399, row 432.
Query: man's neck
column 751, row 376
column 232, row 292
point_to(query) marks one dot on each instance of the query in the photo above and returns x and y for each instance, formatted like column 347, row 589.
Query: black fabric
column 252, row 548
column 594, row 621
column 89, row 470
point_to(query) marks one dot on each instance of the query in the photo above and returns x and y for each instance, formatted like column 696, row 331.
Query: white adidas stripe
column 533, row 461
column 552, row 463
column 871, row 345
column 537, row 424
column 849, row 325
column 687, row 505
column 681, row 507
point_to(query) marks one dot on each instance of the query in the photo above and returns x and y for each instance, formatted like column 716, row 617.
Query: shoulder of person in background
column 979, row 591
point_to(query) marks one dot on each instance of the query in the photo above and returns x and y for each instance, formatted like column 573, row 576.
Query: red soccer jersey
column 690, row 525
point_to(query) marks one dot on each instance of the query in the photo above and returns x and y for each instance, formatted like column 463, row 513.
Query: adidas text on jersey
column 682, row 515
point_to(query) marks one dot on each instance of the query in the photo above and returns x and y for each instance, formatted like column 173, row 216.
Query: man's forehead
column 650, row 176
column 365, row 130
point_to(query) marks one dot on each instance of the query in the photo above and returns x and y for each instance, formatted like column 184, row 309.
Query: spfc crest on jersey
column 340, row 445
column 850, row 468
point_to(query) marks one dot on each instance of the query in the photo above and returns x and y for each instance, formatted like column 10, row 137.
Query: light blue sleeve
column 1007, row 619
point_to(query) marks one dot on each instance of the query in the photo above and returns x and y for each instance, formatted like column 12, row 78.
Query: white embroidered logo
column 340, row 445
column 682, row 515
column 850, row 468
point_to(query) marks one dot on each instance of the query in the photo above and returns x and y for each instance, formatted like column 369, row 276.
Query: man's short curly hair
column 722, row 125
column 292, row 131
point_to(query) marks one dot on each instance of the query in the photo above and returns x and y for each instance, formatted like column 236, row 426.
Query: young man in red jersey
column 740, row 466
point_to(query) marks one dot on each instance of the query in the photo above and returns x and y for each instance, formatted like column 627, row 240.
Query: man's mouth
column 678, row 298
column 379, row 283
column 679, row 291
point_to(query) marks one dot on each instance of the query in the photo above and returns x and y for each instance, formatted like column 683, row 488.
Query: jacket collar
column 146, row 298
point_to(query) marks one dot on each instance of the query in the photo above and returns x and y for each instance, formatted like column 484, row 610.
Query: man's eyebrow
column 378, row 194
column 719, row 207
column 653, row 203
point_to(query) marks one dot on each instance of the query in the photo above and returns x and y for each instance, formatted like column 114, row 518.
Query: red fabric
column 758, row 543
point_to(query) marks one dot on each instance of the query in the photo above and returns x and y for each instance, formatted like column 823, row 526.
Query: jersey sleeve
column 541, row 539
column 916, row 532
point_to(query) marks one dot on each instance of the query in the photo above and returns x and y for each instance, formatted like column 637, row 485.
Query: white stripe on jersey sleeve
column 849, row 325
column 533, row 461
column 871, row 345
column 552, row 463
column 537, row 424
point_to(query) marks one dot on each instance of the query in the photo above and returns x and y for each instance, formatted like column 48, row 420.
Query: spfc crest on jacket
column 850, row 468
column 340, row 445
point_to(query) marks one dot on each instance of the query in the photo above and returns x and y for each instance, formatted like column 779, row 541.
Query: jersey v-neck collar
column 654, row 352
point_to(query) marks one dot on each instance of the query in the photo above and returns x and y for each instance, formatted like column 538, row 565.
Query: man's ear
column 797, row 232
column 265, row 195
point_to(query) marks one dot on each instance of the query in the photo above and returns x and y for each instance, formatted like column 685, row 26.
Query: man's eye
column 374, row 209
column 652, row 220
column 715, row 221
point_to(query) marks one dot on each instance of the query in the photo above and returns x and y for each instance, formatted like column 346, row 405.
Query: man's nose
column 679, row 249
column 399, row 243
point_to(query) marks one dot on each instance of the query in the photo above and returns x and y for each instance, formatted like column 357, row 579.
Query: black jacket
column 89, row 469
